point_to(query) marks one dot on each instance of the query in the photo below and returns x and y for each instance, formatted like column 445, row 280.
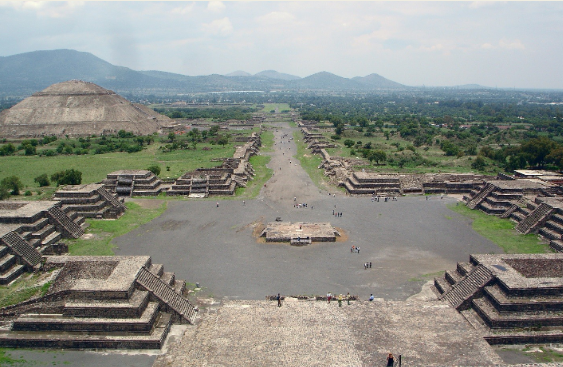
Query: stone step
column 3, row 250
column 52, row 238
column 12, row 273
column 58, row 322
column 464, row 268
column 556, row 245
column 504, row 304
column 93, row 340
column 495, row 319
column 157, row 269
column 442, row 285
column 453, row 277
column 179, row 286
column 549, row 233
column 6, row 262
column 133, row 307
column 23, row 249
column 168, row 278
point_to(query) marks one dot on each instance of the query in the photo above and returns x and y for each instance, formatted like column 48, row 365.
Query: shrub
column 154, row 169
column 42, row 180
column 12, row 184
column 28, row 193
column 67, row 177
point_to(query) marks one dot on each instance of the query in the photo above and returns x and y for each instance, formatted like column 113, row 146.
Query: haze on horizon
column 502, row 44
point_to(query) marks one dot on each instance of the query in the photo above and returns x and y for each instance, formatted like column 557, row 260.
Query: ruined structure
column 90, row 201
column 340, row 172
column 30, row 229
column 222, row 180
column 133, row 183
column 77, row 108
column 535, row 205
column 299, row 234
column 510, row 299
column 100, row 302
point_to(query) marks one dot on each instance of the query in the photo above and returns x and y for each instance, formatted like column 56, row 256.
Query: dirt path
column 290, row 181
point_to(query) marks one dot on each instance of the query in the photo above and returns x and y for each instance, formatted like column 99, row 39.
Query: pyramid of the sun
column 77, row 108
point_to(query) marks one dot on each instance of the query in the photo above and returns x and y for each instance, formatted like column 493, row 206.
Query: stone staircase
column 9, row 268
column 465, row 289
column 164, row 292
column 24, row 250
column 65, row 224
column 477, row 199
column 535, row 218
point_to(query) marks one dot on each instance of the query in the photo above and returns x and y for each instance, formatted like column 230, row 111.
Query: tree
column 12, row 184
column 67, row 177
column 449, row 148
column 348, row 143
column 536, row 150
column 213, row 130
column 171, row 136
column 339, row 129
column 479, row 163
column 4, row 193
column 154, row 169
column 42, row 180
column 223, row 140
column 377, row 156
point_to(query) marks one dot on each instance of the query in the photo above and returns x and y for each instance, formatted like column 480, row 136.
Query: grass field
column 22, row 289
column 273, row 106
column 309, row 161
column 104, row 231
column 502, row 232
column 436, row 160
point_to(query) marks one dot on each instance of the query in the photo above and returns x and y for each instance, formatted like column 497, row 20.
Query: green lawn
column 104, row 231
column 273, row 106
column 309, row 161
column 22, row 289
column 501, row 232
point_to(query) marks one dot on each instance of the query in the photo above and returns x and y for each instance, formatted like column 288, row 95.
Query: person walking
column 279, row 300
column 340, row 300
column 328, row 297
column 390, row 360
column 371, row 297
column 217, row 204
column 348, row 298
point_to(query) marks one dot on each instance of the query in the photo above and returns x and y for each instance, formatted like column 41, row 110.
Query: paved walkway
column 315, row 333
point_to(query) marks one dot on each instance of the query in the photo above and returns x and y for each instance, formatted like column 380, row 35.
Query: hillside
column 24, row 74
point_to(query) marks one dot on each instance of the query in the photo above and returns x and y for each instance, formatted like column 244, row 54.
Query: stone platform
column 315, row 333
column 300, row 233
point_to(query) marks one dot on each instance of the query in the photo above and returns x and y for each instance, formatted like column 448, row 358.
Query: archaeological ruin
column 123, row 302
column 509, row 298
column 77, row 108
column 90, row 201
column 31, row 229
column 299, row 234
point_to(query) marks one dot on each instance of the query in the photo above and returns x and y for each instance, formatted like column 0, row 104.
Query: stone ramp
column 541, row 212
column 462, row 293
column 28, row 254
column 473, row 202
column 110, row 198
column 65, row 224
column 315, row 333
column 166, row 294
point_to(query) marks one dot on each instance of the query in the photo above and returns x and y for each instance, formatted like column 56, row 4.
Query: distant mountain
column 239, row 73
column 27, row 73
column 272, row 74
column 326, row 80
column 377, row 81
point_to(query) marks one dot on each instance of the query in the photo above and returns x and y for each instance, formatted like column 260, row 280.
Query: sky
column 495, row 44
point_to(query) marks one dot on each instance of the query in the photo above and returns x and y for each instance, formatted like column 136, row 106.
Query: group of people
column 367, row 265
column 386, row 198
column 340, row 298
column 355, row 249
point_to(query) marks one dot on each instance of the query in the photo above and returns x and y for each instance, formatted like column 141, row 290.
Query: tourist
column 243, row 202
column 352, row 248
column 348, row 298
column 371, row 297
column 365, row 266
column 328, row 297
column 217, row 204
column 279, row 300
column 370, row 264
column 358, row 248
column 340, row 300
column 390, row 360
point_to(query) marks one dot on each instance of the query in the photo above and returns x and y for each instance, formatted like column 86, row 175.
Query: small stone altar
column 299, row 233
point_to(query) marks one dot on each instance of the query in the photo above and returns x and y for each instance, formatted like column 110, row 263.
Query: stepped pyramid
column 77, row 108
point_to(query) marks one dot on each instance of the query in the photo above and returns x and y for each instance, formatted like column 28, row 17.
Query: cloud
column 45, row 8
column 511, row 45
column 481, row 4
column 276, row 18
column 183, row 10
column 219, row 27
column 487, row 46
column 215, row 6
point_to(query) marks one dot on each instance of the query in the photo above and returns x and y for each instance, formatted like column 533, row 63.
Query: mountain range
column 27, row 73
